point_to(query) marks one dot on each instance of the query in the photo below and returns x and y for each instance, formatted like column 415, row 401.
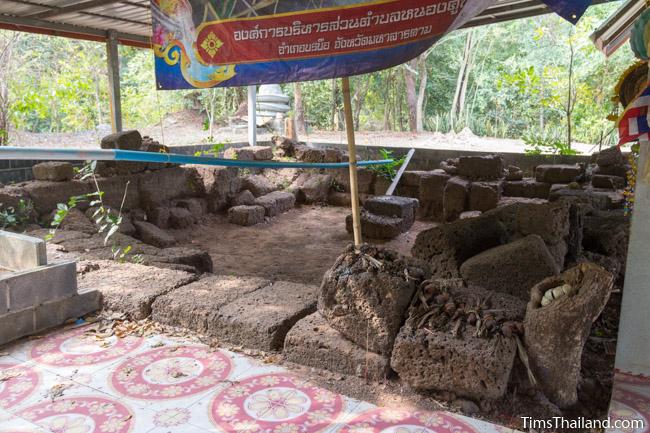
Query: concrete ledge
column 31, row 320
column 16, row 325
column 19, row 252
column 35, row 286
column 4, row 298
column 56, row 313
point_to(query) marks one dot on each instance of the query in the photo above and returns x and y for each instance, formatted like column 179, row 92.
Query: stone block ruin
column 505, row 280
column 500, row 295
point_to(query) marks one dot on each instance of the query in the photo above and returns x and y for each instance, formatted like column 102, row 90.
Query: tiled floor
column 73, row 382
column 630, row 401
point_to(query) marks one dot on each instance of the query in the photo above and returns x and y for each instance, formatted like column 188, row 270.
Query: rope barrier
column 22, row 153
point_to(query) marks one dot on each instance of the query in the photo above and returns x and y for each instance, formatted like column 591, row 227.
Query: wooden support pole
column 115, row 96
column 400, row 172
column 352, row 149
column 252, row 115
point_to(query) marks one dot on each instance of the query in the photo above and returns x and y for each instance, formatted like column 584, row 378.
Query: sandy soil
column 298, row 246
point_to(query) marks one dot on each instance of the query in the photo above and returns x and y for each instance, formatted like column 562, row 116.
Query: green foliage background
column 517, row 85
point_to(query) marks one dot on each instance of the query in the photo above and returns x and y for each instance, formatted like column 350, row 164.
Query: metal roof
column 616, row 30
column 507, row 10
column 131, row 19
column 87, row 19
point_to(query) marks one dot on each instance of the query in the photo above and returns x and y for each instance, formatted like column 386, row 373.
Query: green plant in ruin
column 107, row 220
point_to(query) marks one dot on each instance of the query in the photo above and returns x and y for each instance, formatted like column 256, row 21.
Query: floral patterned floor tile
column 62, row 405
column 253, row 367
column 18, row 425
column 178, row 429
column 395, row 420
column 630, row 401
column 270, row 403
column 351, row 409
column 80, row 413
column 5, row 416
column 20, row 382
column 80, row 348
column 9, row 423
column 165, row 378
column 73, row 381
column 49, row 387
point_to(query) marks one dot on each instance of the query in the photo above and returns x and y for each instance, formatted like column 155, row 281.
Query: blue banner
column 570, row 10
column 223, row 43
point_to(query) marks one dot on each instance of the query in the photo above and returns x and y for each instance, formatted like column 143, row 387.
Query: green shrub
column 16, row 219
column 389, row 171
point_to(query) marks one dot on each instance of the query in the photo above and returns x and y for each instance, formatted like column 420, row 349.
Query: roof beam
column 76, row 7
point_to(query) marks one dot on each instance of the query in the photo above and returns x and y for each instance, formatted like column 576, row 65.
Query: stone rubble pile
column 453, row 319
column 362, row 300
column 452, row 342
column 288, row 148
column 156, row 198
column 481, row 183
column 510, row 266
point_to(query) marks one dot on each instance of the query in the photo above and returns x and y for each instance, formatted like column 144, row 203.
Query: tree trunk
column 570, row 97
column 240, row 96
column 359, row 99
column 463, row 92
column 6, row 50
column 98, row 99
column 4, row 112
column 400, row 107
column 335, row 106
column 458, row 103
column 212, row 108
column 299, row 109
column 388, row 106
column 411, row 94
column 422, row 91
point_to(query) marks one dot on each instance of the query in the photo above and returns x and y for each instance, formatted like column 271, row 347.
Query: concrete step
column 29, row 321
column 19, row 252
column 20, row 290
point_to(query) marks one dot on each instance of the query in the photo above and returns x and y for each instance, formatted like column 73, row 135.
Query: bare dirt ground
column 186, row 128
column 298, row 246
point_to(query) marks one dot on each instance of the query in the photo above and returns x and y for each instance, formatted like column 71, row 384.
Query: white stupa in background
column 272, row 106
